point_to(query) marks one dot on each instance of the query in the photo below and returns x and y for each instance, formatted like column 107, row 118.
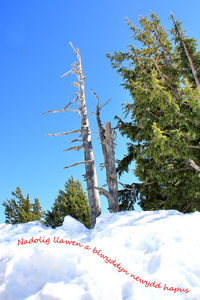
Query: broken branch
column 78, row 163
column 75, row 50
column 125, row 186
column 105, row 103
column 63, row 133
column 65, row 74
column 77, row 148
column 60, row 110
column 193, row 165
column 76, row 140
column 71, row 102
column 104, row 192
column 76, row 84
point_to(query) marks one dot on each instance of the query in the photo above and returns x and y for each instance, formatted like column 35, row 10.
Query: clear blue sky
column 34, row 53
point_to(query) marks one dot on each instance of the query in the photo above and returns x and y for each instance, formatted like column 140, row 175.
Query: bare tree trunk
column 90, row 176
column 111, row 173
column 107, row 145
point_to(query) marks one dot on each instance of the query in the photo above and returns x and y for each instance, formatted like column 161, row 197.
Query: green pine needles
column 164, row 131
column 72, row 201
column 20, row 210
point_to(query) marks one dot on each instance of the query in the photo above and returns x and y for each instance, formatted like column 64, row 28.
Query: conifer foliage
column 20, row 210
column 164, row 130
column 72, row 201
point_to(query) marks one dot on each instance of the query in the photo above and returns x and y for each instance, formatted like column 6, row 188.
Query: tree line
column 70, row 201
column 162, row 78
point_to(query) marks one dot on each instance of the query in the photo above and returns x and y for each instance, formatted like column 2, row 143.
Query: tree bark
column 111, row 173
column 107, row 145
column 91, row 177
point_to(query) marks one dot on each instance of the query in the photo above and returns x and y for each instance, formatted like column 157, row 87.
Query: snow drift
column 128, row 255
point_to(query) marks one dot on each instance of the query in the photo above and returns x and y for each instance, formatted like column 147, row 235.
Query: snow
column 128, row 255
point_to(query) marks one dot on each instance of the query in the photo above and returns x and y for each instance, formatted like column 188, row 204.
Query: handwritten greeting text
column 98, row 252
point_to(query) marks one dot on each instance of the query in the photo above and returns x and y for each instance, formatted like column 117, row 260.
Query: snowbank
column 128, row 255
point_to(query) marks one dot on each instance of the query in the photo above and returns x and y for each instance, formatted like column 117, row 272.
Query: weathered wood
column 107, row 145
column 85, row 134
column 65, row 74
column 105, row 103
column 112, row 174
column 91, row 177
column 76, row 84
column 76, row 140
column 71, row 102
column 193, row 165
column 78, row 163
column 60, row 110
column 77, row 148
column 75, row 51
column 63, row 133
column 125, row 186
column 105, row 193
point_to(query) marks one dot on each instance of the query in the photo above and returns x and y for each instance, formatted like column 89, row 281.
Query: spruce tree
column 20, row 210
column 72, row 201
column 164, row 130
column 37, row 213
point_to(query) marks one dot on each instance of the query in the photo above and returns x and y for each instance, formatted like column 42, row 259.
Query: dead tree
column 107, row 144
column 85, row 133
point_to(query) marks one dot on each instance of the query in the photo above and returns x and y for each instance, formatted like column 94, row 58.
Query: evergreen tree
column 164, row 129
column 37, row 213
column 20, row 210
column 72, row 201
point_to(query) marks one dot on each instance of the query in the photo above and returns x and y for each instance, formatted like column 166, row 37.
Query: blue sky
column 34, row 53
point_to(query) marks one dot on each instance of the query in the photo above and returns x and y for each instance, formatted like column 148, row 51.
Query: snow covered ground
column 128, row 255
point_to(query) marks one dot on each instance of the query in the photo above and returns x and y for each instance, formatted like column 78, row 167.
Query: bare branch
column 105, row 103
column 63, row 133
column 76, row 140
column 71, row 102
column 181, row 169
column 65, row 74
column 125, row 186
column 60, row 110
column 78, row 163
column 116, row 127
column 75, row 50
column 76, row 84
column 75, row 70
column 95, row 96
column 153, row 115
column 194, row 147
column 104, row 192
column 77, row 148
column 73, row 109
column 193, row 165
column 100, row 107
